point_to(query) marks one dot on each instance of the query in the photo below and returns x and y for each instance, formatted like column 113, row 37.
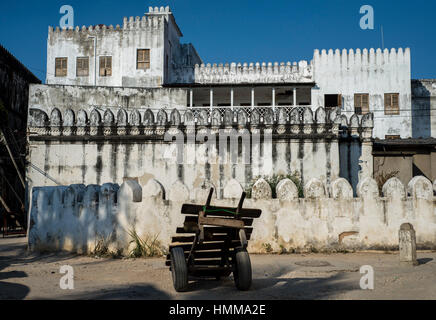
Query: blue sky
column 240, row 30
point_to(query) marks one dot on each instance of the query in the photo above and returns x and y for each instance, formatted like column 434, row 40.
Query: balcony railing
column 272, row 113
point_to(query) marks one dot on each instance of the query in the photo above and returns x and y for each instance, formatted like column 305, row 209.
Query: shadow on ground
column 274, row 287
column 12, row 254
column 424, row 261
column 130, row 292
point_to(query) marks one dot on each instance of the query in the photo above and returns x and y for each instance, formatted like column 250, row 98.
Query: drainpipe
column 95, row 58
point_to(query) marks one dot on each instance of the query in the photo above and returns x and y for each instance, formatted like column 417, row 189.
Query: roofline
column 31, row 77
column 270, row 84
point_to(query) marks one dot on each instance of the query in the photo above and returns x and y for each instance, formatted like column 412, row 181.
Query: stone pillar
column 273, row 97
column 191, row 98
column 407, row 245
column 295, row 97
column 211, row 98
column 366, row 161
column 252, row 97
column 231, row 98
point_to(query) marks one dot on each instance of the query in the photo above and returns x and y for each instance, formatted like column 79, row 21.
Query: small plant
column 267, row 247
column 101, row 248
column 382, row 178
column 274, row 180
column 145, row 247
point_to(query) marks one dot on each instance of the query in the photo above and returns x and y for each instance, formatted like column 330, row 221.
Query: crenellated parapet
column 154, row 19
column 254, row 72
column 131, row 23
column 345, row 59
column 282, row 121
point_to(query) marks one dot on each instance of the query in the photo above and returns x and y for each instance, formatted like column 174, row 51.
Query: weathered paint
column 78, row 217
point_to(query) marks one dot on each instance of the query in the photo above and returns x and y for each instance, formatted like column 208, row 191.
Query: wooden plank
column 206, row 245
column 209, row 262
column 194, row 219
column 220, row 211
column 203, row 254
column 208, row 237
column 191, row 229
column 221, row 222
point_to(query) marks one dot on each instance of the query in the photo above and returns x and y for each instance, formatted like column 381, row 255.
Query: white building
column 140, row 74
column 146, row 52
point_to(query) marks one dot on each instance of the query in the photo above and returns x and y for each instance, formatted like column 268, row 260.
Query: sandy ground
column 313, row 276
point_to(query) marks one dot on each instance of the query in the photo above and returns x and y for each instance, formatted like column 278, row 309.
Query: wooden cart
column 212, row 243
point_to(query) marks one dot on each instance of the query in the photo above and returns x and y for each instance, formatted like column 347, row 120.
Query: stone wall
column 78, row 217
column 94, row 135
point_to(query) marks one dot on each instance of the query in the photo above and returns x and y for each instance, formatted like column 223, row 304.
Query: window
column 143, row 59
column 392, row 106
column 332, row 101
column 105, row 66
column 82, row 67
column 361, row 103
column 61, row 67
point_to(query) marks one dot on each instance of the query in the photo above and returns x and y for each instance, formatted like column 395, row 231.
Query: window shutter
column 143, row 59
column 105, row 66
column 109, row 66
column 102, row 62
column 365, row 103
column 357, row 104
column 61, row 67
column 387, row 103
column 392, row 106
column 395, row 102
column 340, row 100
column 82, row 66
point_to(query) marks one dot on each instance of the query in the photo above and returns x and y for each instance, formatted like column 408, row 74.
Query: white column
column 252, row 97
column 211, row 98
column 191, row 99
column 231, row 98
column 295, row 97
column 273, row 97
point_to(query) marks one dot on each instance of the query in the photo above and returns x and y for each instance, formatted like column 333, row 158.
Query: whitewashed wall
column 367, row 71
column 76, row 218
column 152, row 31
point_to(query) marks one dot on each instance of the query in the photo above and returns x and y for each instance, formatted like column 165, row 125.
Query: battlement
column 348, row 58
column 132, row 23
column 159, row 10
column 254, row 72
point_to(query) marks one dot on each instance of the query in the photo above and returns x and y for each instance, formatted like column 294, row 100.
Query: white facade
column 157, row 30
column 374, row 72
column 344, row 73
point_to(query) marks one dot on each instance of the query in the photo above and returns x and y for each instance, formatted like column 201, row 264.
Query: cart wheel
column 179, row 269
column 242, row 273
